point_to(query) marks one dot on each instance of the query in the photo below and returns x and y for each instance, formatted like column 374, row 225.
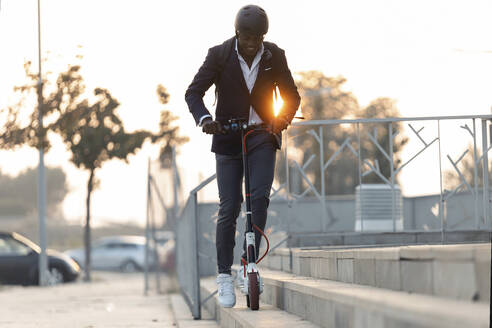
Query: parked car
column 123, row 253
column 19, row 262
column 168, row 256
column 167, row 250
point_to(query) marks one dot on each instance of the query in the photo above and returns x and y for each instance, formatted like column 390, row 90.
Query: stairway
column 366, row 286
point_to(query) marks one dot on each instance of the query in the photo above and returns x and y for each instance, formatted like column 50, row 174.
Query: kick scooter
column 252, row 275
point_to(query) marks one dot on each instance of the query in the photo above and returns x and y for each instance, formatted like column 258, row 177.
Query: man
column 245, row 71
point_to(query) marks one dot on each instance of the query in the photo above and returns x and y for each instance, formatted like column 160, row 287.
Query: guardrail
column 367, row 166
column 191, row 234
column 187, row 263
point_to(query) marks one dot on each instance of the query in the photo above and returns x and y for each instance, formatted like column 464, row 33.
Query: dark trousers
column 261, row 161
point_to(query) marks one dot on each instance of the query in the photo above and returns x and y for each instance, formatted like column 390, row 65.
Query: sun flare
column 277, row 102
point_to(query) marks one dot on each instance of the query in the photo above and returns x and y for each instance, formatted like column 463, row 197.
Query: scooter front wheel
column 254, row 291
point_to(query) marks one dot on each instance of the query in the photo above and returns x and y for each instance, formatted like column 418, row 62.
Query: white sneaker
column 227, row 297
column 242, row 281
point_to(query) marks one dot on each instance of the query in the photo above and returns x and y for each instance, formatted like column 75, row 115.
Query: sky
column 432, row 57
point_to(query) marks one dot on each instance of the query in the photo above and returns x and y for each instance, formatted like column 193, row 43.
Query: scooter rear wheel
column 254, row 291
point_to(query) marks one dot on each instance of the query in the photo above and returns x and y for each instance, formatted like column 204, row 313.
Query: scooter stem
column 250, row 235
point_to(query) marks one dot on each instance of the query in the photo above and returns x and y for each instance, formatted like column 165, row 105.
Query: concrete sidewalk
column 111, row 300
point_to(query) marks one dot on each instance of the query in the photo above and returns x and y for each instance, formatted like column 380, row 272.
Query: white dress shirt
column 250, row 74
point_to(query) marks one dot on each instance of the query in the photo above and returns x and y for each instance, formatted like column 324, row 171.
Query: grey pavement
column 111, row 300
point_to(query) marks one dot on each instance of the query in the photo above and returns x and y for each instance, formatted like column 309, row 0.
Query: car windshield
column 12, row 247
column 27, row 242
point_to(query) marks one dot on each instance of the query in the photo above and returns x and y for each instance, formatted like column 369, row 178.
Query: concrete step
column 183, row 317
column 309, row 239
column 460, row 271
column 334, row 304
column 240, row 316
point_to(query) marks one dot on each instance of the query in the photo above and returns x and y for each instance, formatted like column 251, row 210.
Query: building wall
column 305, row 216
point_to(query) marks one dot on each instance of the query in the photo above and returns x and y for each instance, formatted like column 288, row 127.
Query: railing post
column 147, row 231
column 286, row 145
column 324, row 226
column 287, row 177
column 175, row 174
column 475, row 175
column 197, row 304
column 441, row 198
column 392, row 172
column 485, row 166
column 360, row 178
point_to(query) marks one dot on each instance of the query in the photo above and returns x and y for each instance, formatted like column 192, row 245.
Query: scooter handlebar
column 238, row 125
column 234, row 127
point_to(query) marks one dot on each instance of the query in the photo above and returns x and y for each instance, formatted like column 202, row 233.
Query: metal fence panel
column 187, row 256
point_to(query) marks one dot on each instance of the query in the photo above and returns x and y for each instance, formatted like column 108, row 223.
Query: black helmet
column 252, row 19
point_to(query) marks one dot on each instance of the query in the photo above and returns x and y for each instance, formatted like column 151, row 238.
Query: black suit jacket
column 234, row 99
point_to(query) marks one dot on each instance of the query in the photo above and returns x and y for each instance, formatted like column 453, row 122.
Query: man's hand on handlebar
column 280, row 124
column 212, row 127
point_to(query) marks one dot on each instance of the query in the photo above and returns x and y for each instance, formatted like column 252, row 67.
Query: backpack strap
column 224, row 54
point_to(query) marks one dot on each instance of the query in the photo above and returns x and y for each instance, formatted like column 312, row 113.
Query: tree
column 466, row 167
column 19, row 130
column 381, row 108
column 168, row 134
column 18, row 194
column 323, row 98
column 91, row 130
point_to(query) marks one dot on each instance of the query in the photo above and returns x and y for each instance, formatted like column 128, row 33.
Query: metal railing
column 193, row 234
column 187, row 263
column 366, row 166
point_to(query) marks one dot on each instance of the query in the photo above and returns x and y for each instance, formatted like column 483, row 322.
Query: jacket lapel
column 237, row 73
column 265, row 66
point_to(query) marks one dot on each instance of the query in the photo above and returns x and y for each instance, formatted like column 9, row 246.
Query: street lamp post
column 43, row 260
